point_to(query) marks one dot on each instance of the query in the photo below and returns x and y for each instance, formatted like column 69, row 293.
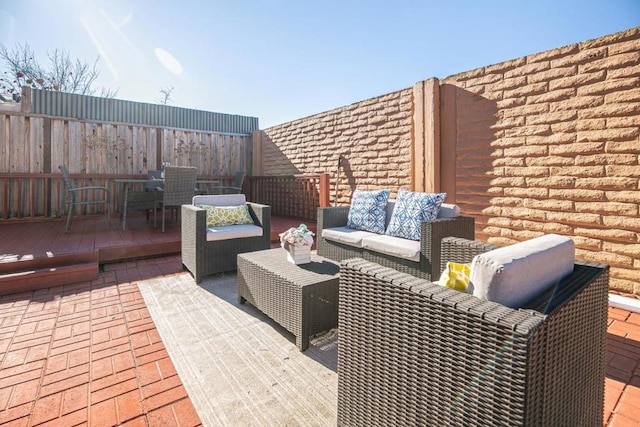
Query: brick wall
column 550, row 143
column 373, row 137
column 547, row 143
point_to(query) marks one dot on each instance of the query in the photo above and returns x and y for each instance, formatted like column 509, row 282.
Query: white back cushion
column 514, row 274
column 220, row 200
column 391, row 204
column 449, row 210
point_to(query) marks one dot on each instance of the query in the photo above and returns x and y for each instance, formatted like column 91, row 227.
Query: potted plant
column 297, row 242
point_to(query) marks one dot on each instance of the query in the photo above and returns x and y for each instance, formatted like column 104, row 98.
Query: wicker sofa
column 208, row 251
column 414, row 353
column 448, row 223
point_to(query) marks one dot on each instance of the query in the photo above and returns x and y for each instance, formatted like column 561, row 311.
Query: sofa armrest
column 331, row 217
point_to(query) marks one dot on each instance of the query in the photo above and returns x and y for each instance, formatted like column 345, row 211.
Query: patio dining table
column 128, row 183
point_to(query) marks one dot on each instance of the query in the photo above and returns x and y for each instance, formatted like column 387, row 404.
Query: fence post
column 324, row 190
column 257, row 167
column 25, row 100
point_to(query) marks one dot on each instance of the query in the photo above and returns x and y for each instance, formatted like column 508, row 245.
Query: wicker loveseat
column 448, row 223
column 415, row 353
column 210, row 250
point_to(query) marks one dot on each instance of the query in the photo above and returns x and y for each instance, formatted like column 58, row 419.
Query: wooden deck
column 38, row 254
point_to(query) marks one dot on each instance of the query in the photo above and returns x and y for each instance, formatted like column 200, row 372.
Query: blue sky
column 281, row 60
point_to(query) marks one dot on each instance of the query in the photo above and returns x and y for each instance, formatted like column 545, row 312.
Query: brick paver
column 90, row 354
column 622, row 383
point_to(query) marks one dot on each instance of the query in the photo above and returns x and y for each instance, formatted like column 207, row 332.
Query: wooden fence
column 38, row 144
column 28, row 196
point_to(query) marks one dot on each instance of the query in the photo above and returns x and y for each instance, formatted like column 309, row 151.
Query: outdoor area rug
column 238, row 366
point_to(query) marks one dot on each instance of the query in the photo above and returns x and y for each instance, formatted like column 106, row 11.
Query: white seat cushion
column 394, row 246
column 347, row 236
column 220, row 200
column 233, row 232
column 514, row 274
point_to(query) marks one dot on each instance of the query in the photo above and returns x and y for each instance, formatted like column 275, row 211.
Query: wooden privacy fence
column 39, row 144
column 43, row 195
column 293, row 196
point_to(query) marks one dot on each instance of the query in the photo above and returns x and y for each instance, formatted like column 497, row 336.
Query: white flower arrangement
column 297, row 236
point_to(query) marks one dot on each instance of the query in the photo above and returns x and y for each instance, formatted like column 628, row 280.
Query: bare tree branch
column 61, row 74
column 165, row 95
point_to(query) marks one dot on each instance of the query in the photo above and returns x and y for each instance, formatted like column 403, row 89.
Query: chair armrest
column 432, row 232
column 261, row 214
column 226, row 189
column 462, row 250
column 194, row 224
column 95, row 187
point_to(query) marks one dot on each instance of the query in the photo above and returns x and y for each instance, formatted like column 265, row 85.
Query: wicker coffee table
column 301, row 298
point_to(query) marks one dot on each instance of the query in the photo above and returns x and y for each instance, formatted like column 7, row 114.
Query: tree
column 62, row 73
column 165, row 95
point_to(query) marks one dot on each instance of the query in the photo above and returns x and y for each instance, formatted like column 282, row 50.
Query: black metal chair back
column 74, row 200
column 236, row 188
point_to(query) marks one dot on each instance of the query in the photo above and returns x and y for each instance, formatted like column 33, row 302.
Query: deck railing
column 42, row 196
column 292, row 196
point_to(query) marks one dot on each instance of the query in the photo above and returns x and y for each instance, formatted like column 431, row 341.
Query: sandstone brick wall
column 373, row 137
column 550, row 143
column 547, row 143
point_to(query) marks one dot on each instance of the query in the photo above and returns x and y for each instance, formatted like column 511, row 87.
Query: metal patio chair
column 74, row 200
column 236, row 188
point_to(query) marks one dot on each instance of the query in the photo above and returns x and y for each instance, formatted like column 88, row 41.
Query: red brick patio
column 89, row 354
column 622, row 382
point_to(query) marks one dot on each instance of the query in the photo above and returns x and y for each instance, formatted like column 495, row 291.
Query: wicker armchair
column 179, row 187
column 203, row 257
column 414, row 353
column 432, row 233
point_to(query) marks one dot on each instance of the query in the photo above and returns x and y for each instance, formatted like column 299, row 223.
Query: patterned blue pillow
column 411, row 209
column 367, row 211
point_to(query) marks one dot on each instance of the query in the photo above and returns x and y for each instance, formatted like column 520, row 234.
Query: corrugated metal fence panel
column 83, row 107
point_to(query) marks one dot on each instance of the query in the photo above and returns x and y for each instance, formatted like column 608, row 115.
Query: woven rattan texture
column 301, row 298
column 179, row 187
column 413, row 353
column 432, row 234
column 202, row 257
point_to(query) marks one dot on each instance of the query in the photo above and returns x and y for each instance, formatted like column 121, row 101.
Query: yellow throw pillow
column 456, row 276
column 218, row 216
